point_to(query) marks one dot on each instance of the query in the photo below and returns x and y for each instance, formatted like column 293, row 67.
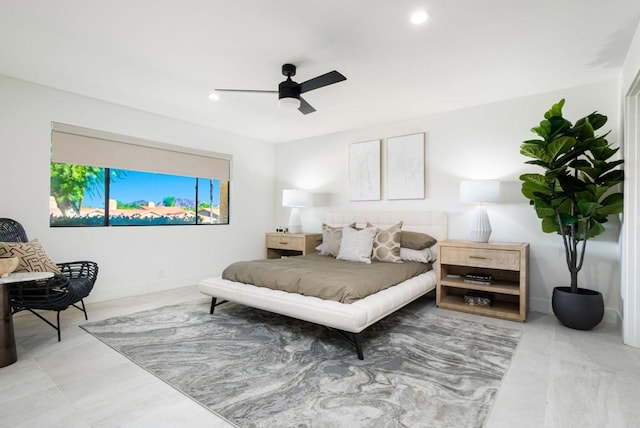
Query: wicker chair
column 54, row 294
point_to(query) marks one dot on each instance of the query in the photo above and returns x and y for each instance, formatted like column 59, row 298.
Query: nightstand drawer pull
column 284, row 243
column 479, row 258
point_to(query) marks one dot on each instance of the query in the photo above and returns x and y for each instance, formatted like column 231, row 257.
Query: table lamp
column 480, row 192
column 295, row 199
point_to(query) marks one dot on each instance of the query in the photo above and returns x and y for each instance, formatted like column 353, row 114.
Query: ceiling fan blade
column 305, row 107
column 247, row 90
column 318, row 82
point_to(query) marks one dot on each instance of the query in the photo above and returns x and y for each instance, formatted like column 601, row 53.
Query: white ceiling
column 166, row 56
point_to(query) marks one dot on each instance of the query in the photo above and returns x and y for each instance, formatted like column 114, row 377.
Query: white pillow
column 428, row 255
column 357, row 245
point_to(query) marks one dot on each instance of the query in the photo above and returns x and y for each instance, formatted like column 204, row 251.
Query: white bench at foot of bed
column 351, row 317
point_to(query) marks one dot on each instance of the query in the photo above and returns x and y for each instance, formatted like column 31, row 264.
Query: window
column 90, row 185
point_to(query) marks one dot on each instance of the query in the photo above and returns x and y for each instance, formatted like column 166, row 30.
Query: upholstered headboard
column 433, row 223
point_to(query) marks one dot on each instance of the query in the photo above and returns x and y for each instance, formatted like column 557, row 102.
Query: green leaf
column 543, row 130
column 612, row 204
column 597, row 120
column 560, row 145
column 555, row 110
column 612, row 178
column 534, row 151
column 534, row 191
column 586, row 208
column 549, row 225
column 543, row 210
column 595, row 230
column 538, row 162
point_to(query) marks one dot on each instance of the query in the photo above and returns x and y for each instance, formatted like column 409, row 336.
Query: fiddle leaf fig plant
column 578, row 188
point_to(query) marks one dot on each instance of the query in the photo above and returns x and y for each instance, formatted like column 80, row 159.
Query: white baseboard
column 105, row 291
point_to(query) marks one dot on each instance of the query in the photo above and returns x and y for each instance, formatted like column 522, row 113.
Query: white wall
column 132, row 260
column 479, row 143
column 630, row 96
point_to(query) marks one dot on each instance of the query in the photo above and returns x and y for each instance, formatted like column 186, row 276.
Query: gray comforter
column 323, row 276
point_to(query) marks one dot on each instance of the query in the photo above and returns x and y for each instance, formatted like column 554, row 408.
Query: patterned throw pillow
column 386, row 244
column 331, row 237
column 356, row 245
column 31, row 254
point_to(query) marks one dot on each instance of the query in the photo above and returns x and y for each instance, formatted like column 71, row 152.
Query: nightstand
column 506, row 263
column 291, row 244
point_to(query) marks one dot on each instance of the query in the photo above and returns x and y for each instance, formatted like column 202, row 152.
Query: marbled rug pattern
column 259, row 369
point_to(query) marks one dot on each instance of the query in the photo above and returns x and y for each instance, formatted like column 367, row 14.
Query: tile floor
column 558, row 378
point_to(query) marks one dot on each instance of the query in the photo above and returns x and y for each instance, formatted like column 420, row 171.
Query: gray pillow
column 331, row 237
column 356, row 245
column 416, row 240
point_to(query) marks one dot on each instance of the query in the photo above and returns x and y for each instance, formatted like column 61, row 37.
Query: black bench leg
column 358, row 344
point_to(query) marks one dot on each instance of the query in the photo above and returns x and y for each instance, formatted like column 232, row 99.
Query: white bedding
column 351, row 317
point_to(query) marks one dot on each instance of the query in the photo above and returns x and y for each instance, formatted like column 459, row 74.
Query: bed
column 348, row 319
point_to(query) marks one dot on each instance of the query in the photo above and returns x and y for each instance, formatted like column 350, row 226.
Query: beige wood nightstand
column 280, row 244
column 508, row 265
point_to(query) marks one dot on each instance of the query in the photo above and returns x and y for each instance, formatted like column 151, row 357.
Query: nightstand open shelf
column 507, row 263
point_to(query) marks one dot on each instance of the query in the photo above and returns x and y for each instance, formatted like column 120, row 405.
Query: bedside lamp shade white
column 295, row 199
column 480, row 192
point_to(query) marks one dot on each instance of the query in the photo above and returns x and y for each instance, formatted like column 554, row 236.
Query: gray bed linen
column 323, row 276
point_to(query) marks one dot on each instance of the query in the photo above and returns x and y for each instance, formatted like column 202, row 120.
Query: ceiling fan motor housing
column 288, row 89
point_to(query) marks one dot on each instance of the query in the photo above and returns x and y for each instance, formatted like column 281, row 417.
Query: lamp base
column 480, row 226
column 295, row 224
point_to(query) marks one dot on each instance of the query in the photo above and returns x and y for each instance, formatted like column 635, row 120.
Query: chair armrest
column 79, row 269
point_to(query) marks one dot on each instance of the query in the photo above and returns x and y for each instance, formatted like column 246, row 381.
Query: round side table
column 8, row 353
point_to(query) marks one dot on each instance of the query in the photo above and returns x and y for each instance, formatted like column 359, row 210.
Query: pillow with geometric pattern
column 386, row 244
column 31, row 255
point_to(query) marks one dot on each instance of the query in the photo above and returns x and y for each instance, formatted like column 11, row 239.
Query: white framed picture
column 405, row 167
column 364, row 171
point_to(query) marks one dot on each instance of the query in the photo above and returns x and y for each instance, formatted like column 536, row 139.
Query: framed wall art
column 364, row 171
column 405, row 167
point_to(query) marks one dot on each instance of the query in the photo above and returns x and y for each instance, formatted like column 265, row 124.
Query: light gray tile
column 558, row 376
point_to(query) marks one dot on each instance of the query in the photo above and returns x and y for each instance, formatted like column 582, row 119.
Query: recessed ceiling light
column 419, row 17
column 214, row 97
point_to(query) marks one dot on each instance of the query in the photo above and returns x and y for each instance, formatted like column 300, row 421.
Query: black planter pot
column 582, row 310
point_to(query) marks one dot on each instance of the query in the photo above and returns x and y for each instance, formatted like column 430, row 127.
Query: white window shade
column 83, row 146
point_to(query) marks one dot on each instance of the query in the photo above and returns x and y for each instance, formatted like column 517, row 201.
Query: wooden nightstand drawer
column 481, row 257
column 285, row 242
column 290, row 244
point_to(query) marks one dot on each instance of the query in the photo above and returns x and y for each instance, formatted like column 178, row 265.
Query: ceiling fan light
column 290, row 103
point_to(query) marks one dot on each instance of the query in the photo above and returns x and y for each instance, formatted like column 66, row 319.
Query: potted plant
column 573, row 197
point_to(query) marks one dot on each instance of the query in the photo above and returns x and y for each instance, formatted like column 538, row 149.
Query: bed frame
column 347, row 319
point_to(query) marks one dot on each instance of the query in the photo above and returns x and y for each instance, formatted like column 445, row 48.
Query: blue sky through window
column 146, row 186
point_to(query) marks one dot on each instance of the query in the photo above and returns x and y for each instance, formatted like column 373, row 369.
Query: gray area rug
column 258, row 369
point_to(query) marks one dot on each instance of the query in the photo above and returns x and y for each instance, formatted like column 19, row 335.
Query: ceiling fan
column 289, row 91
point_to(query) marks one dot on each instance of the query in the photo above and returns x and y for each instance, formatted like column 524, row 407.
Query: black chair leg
column 213, row 305
column 58, row 327
column 86, row 318
column 83, row 309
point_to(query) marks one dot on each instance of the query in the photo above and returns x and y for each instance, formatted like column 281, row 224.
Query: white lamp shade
column 479, row 191
column 295, row 198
